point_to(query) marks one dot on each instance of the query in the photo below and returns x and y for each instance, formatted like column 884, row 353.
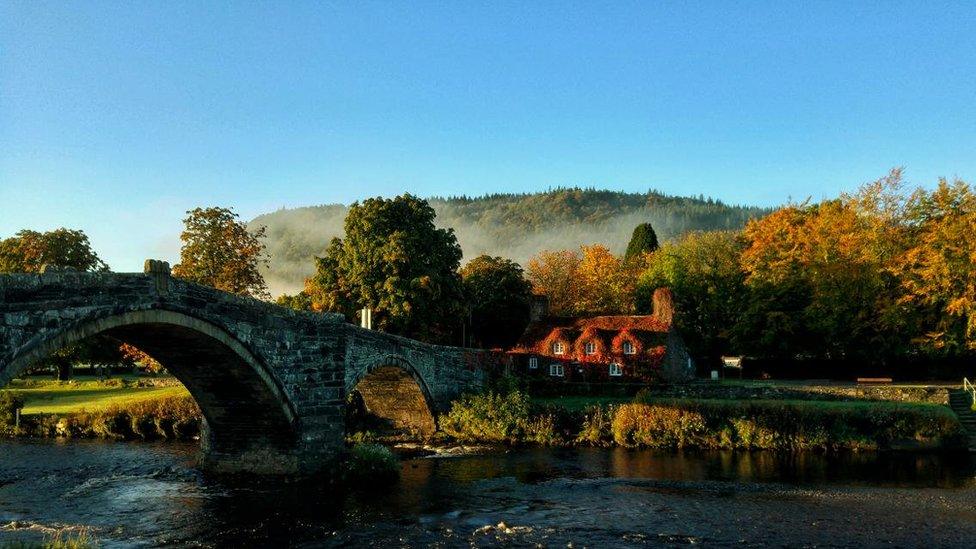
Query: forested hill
column 516, row 226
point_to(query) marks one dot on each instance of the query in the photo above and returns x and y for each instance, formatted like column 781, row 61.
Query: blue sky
column 115, row 117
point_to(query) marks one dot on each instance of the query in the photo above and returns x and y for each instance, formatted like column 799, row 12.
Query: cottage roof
column 607, row 331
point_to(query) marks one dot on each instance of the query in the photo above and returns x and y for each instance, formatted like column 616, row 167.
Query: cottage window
column 589, row 348
column 558, row 348
column 628, row 347
column 533, row 363
column 556, row 370
column 616, row 370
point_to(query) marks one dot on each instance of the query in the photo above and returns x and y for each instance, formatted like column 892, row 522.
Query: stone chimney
column 539, row 307
column 664, row 305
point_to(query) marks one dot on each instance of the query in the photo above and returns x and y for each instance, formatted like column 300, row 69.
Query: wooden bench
column 874, row 380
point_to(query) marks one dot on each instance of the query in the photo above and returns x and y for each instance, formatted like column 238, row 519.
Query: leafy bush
column 489, row 417
column 9, row 404
column 176, row 418
column 371, row 466
column 596, row 429
column 657, row 426
column 784, row 425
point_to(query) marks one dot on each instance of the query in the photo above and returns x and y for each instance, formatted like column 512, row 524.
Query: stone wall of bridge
column 270, row 381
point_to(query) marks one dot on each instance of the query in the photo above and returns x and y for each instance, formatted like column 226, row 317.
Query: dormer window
column 589, row 348
column 558, row 348
column 628, row 347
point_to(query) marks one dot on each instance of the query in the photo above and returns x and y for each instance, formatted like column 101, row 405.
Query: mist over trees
column 514, row 226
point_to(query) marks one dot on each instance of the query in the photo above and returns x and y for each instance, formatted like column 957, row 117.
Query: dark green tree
column 499, row 298
column 396, row 262
column 643, row 241
column 29, row 251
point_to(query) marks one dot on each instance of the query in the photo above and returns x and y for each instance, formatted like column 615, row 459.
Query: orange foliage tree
column 590, row 281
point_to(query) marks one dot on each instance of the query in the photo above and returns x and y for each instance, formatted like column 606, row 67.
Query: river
column 151, row 495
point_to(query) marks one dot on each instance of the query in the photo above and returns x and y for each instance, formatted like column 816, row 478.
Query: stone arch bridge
column 271, row 382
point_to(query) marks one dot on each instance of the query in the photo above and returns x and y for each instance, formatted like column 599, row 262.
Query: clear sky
column 117, row 117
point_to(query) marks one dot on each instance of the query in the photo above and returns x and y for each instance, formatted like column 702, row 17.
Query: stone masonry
column 271, row 382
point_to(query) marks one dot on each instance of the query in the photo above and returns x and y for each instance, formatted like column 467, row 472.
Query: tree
column 643, row 241
column 555, row 274
column 218, row 251
column 28, row 251
column 606, row 283
column 499, row 299
column 591, row 281
column 937, row 271
column 841, row 253
column 703, row 272
column 396, row 262
column 299, row 302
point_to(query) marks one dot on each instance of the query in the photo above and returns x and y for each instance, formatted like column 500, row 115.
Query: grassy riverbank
column 120, row 409
column 662, row 422
column 161, row 408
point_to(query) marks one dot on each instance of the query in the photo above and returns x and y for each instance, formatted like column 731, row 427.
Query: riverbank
column 749, row 416
column 652, row 421
column 132, row 408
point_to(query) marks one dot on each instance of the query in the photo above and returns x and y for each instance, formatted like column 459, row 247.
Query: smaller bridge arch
column 393, row 390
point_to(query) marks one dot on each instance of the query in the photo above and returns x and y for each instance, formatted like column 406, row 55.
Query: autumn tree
column 499, row 298
column 839, row 253
column 28, row 251
column 606, row 282
column 937, row 270
column 555, row 274
column 394, row 260
column 643, row 241
column 590, row 281
column 219, row 251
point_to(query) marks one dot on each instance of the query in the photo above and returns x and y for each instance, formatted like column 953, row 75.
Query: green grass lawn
column 577, row 403
column 65, row 398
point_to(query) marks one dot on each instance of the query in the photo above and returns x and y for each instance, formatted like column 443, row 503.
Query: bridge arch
column 392, row 389
column 249, row 423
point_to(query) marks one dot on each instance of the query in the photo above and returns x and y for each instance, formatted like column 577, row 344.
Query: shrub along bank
column 168, row 418
column 720, row 424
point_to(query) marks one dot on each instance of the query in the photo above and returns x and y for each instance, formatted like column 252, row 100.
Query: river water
column 151, row 495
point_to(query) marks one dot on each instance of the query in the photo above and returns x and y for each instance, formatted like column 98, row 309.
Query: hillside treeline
column 515, row 226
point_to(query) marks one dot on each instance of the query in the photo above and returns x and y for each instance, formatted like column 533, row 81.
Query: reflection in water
column 132, row 494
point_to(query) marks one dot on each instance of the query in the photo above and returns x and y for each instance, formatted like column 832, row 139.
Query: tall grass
column 782, row 425
column 169, row 418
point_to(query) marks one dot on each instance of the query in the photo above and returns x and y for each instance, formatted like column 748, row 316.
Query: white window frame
column 533, row 363
column 557, row 370
column 616, row 369
column 589, row 348
column 558, row 348
column 629, row 348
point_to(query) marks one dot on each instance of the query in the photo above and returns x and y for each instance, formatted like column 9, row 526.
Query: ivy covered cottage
column 621, row 348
